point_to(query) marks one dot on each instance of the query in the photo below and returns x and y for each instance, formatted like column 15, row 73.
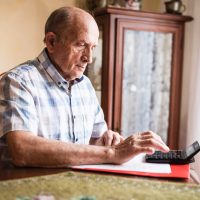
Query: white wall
column 190, row 107
column 22, row 27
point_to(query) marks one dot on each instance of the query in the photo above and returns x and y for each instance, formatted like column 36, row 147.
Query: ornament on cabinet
column 93, row 4
column 175, row 7
column 116, row 3
column 133, row 4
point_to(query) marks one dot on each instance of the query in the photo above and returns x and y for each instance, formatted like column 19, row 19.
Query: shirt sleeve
column 100, row 125
column 17, row 108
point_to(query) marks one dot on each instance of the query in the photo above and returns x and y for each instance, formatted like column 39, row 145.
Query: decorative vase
column 93, row 4
column 175, row 7
column 133, row 4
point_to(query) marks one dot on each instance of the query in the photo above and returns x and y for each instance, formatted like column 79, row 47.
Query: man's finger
column 152, row 143
column 147, row 150
column 108, row 138
column 116, row 139
column 121, row 138
column 154, row 137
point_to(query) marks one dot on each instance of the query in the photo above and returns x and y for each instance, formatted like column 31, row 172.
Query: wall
column 190, row 107
column 22, row 24
column 152, row 5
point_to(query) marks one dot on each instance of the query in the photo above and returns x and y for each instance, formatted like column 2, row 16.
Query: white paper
column 136, row 164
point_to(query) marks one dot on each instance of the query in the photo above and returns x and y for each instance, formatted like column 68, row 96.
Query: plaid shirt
column 35, row 97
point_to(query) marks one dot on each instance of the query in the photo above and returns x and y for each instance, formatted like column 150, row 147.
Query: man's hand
column 29, row 150
column 109, row 138
column 145, row 142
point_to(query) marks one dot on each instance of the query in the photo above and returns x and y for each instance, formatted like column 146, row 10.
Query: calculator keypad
column 173, row 156
column 169, row 155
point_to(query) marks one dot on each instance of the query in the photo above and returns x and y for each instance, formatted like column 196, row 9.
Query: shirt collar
column 45, row 61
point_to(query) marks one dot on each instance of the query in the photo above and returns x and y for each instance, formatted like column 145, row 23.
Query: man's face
column 72, row 56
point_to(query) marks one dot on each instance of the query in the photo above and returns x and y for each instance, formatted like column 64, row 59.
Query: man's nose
column 87, row 56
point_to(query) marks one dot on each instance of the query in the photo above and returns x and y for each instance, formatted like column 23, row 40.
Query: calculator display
column 190, row 150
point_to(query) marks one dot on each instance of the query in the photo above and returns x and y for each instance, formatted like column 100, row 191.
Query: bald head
column 67, row 20
column 71, row 35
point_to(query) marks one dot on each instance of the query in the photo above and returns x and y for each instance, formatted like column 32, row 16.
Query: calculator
column 175, row 156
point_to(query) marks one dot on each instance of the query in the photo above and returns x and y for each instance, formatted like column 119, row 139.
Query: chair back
column 1, row 75
column 3, row 146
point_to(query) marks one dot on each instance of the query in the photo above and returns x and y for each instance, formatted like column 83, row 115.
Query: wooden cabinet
column 141, row 59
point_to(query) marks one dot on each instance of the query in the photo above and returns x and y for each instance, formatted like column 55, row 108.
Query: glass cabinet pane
column 146, row 82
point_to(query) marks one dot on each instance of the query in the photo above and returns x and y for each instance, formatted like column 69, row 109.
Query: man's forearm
column 29, row 150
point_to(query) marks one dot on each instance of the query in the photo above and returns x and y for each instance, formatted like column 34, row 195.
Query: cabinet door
column 147, row 78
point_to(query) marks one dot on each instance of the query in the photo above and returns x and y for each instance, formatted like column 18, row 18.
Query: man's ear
column 50, row 41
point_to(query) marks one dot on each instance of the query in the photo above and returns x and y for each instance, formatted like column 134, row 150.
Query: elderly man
column 49, row 113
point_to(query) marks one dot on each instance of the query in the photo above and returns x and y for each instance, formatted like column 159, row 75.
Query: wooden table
column 89, row 185
column 8, row 172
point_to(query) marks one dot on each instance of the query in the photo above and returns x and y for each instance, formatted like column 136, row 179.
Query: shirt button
column 76, row 139
column 74, row 116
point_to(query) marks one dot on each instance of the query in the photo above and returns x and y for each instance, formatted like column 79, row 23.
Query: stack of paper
column 138, row 166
